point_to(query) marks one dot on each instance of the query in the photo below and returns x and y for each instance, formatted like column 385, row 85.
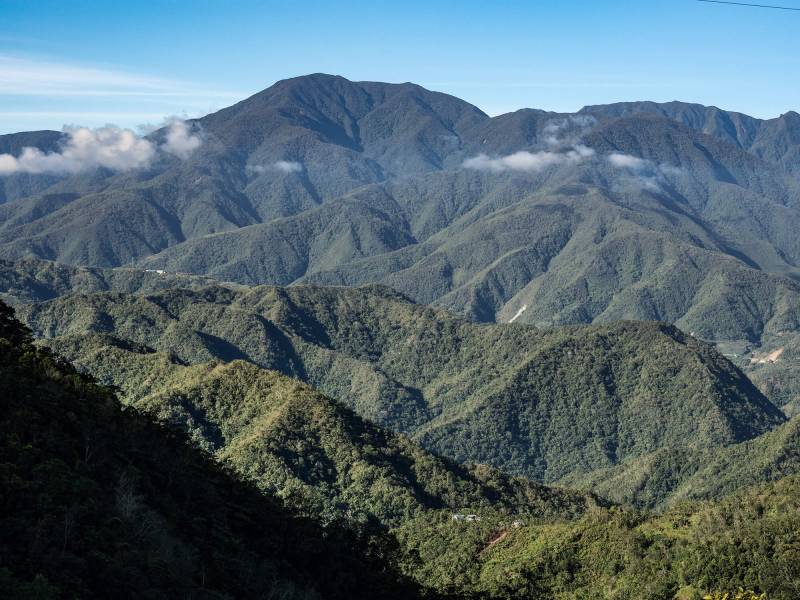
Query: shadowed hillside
column 98, row 500
column 303, row 447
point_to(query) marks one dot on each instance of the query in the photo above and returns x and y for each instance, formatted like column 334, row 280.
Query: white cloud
column 8, row 164
column 626, row 161
column 645, row 172
column 528, row 161
column 109, row 147
column 288, row 166
column 283, row 166
column 35, row 77
column 567, row 130
column 179, row 140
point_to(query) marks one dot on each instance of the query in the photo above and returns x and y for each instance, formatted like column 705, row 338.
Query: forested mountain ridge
column 302, row 446
column 671, row 212
column 542, row 404
column 99, row 500
column 34, row 280
column 775, row 140
column 146, row 513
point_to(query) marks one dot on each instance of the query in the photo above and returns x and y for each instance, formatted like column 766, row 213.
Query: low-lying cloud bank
column 648, row 174
column 642, row 172
column 109, row 147
column 528, row 161
column 282, row 166
column 567, row 130
column 288, row 166
column 180, row 141
column 563, row 140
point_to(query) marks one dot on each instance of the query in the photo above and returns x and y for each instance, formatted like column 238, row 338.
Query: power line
column 754, row 5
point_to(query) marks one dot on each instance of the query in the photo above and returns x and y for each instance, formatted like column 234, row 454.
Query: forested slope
column 543, row 404
column 100, row 501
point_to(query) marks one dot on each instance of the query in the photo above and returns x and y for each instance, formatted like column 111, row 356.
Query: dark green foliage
column 544, row 404
column 749, row 541
column 673, row 474
column 307, row 449
column 100, row 502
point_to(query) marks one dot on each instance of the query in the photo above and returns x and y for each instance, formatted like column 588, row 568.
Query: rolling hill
column 101, row 501
column 540, row 403
column 303, row 447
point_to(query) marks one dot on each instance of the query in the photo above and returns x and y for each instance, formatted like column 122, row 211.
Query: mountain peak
column 791, row 116
column 400, row 127
column 324, row 79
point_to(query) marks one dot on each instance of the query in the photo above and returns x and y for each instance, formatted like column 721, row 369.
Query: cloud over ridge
column 648, row 174
column 282, row 166
column 179, row 140
column 107, row 147
column 567, row 130
column 528, row 161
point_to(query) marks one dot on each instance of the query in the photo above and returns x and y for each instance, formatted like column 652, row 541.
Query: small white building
column 460, row 517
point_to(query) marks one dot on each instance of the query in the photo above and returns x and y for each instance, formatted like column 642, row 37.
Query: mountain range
column 378, row 342
column 670, row 212
column 547, row 405
column 123, row 505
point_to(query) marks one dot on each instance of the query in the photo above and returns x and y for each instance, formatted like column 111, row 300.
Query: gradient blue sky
column 129, row 63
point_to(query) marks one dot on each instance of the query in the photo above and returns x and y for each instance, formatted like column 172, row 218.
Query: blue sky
column 130, row 63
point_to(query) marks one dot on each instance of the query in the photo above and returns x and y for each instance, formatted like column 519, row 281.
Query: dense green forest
column 545, row 404
column 99, row 497
column 750, row 540
column 346, row 349
column 33, row 280
column 99, row 501
column 309, row 450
